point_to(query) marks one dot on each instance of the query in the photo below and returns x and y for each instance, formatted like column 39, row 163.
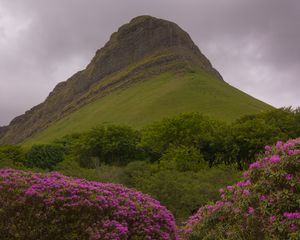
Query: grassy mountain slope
column 150, row 68
column 157, row 97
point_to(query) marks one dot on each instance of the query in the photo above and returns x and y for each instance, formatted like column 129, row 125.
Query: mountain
column 150, row 68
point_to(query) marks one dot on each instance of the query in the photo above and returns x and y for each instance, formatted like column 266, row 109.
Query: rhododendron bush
column 53, row 206
column 265, row 205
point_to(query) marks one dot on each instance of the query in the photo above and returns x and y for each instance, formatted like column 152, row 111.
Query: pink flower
column 262, row 198
column 250, row 210
column 244, row 184
column 246, row 174
column 221, row 190
column 272, row 219
column 246, row 192
column 275, row 159
column 293, row 227
column 268, row 148
column 255, row 165
column 289, row 177
column 292, row 215
column 279, row 145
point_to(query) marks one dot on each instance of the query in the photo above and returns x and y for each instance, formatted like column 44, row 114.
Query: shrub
column 265, row 205
column 182, row 159
column 53, row 206
column 134, row 172
column 13, row 153
column 44, row 156
column 184, row 192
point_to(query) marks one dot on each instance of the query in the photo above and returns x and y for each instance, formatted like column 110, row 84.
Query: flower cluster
column 264, row 205
column 53, row 206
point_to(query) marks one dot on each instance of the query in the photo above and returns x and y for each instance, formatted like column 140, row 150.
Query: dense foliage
column 44, row 156
column 181, row 192
column 12, row 154
column 107, row 144
column 173, row 142
column 180, row 160
column 265, row 205
column 53, row 206
column 191, row 130
column 237, row 143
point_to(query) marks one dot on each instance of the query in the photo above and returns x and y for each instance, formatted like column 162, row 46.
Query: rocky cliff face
column 143, row 47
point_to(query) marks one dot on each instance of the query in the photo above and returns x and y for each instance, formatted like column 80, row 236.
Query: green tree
column 249, row 136
column 284, row 119
column 187, row 129
column 297, row 122
column 108, row 144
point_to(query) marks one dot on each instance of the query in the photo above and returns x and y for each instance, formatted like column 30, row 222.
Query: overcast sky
column 254, row 44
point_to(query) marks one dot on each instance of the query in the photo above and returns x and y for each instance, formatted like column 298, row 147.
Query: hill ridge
column 141, row 49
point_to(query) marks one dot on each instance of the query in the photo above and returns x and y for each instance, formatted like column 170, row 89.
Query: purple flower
column 272, row 219
column 279, row 145
column 250, row 210
column 292, row 215
column 221, row 190
column 263, row 198
column 289, row 177
column 255, row 165
column 244, row 183
column 275, row 159
column 246, row 192
column 268, row 148
column 110, row 211
column 293, row 227
column 246, row 174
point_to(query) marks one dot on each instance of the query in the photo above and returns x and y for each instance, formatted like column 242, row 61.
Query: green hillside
column 164, row 95
column 149, row 69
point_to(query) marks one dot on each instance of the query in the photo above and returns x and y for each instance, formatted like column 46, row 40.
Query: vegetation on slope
column 181, row 160
column 150, row 68
column 165, row 95
column 145, row 47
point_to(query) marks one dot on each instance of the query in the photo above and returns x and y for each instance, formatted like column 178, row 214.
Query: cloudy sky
column 255, row 44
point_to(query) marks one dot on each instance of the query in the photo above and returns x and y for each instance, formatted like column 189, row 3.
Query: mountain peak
column 142, row 37
column 146, row 34
column 141, row 49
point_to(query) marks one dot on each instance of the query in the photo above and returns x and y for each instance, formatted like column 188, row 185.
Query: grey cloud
column 254, row 44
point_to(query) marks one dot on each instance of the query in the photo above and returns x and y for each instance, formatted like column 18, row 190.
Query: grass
column 164, row 95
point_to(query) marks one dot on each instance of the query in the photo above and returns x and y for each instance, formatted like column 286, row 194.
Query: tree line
column 186, row 142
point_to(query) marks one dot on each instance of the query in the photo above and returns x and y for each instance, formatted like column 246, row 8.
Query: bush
column 53, row 206
column 182, row 159
column 12, row 153
column 265, row 205
column 184, row 192
column 181, row 192
column 104, row 173
column 134, row 172
column 44, row 156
